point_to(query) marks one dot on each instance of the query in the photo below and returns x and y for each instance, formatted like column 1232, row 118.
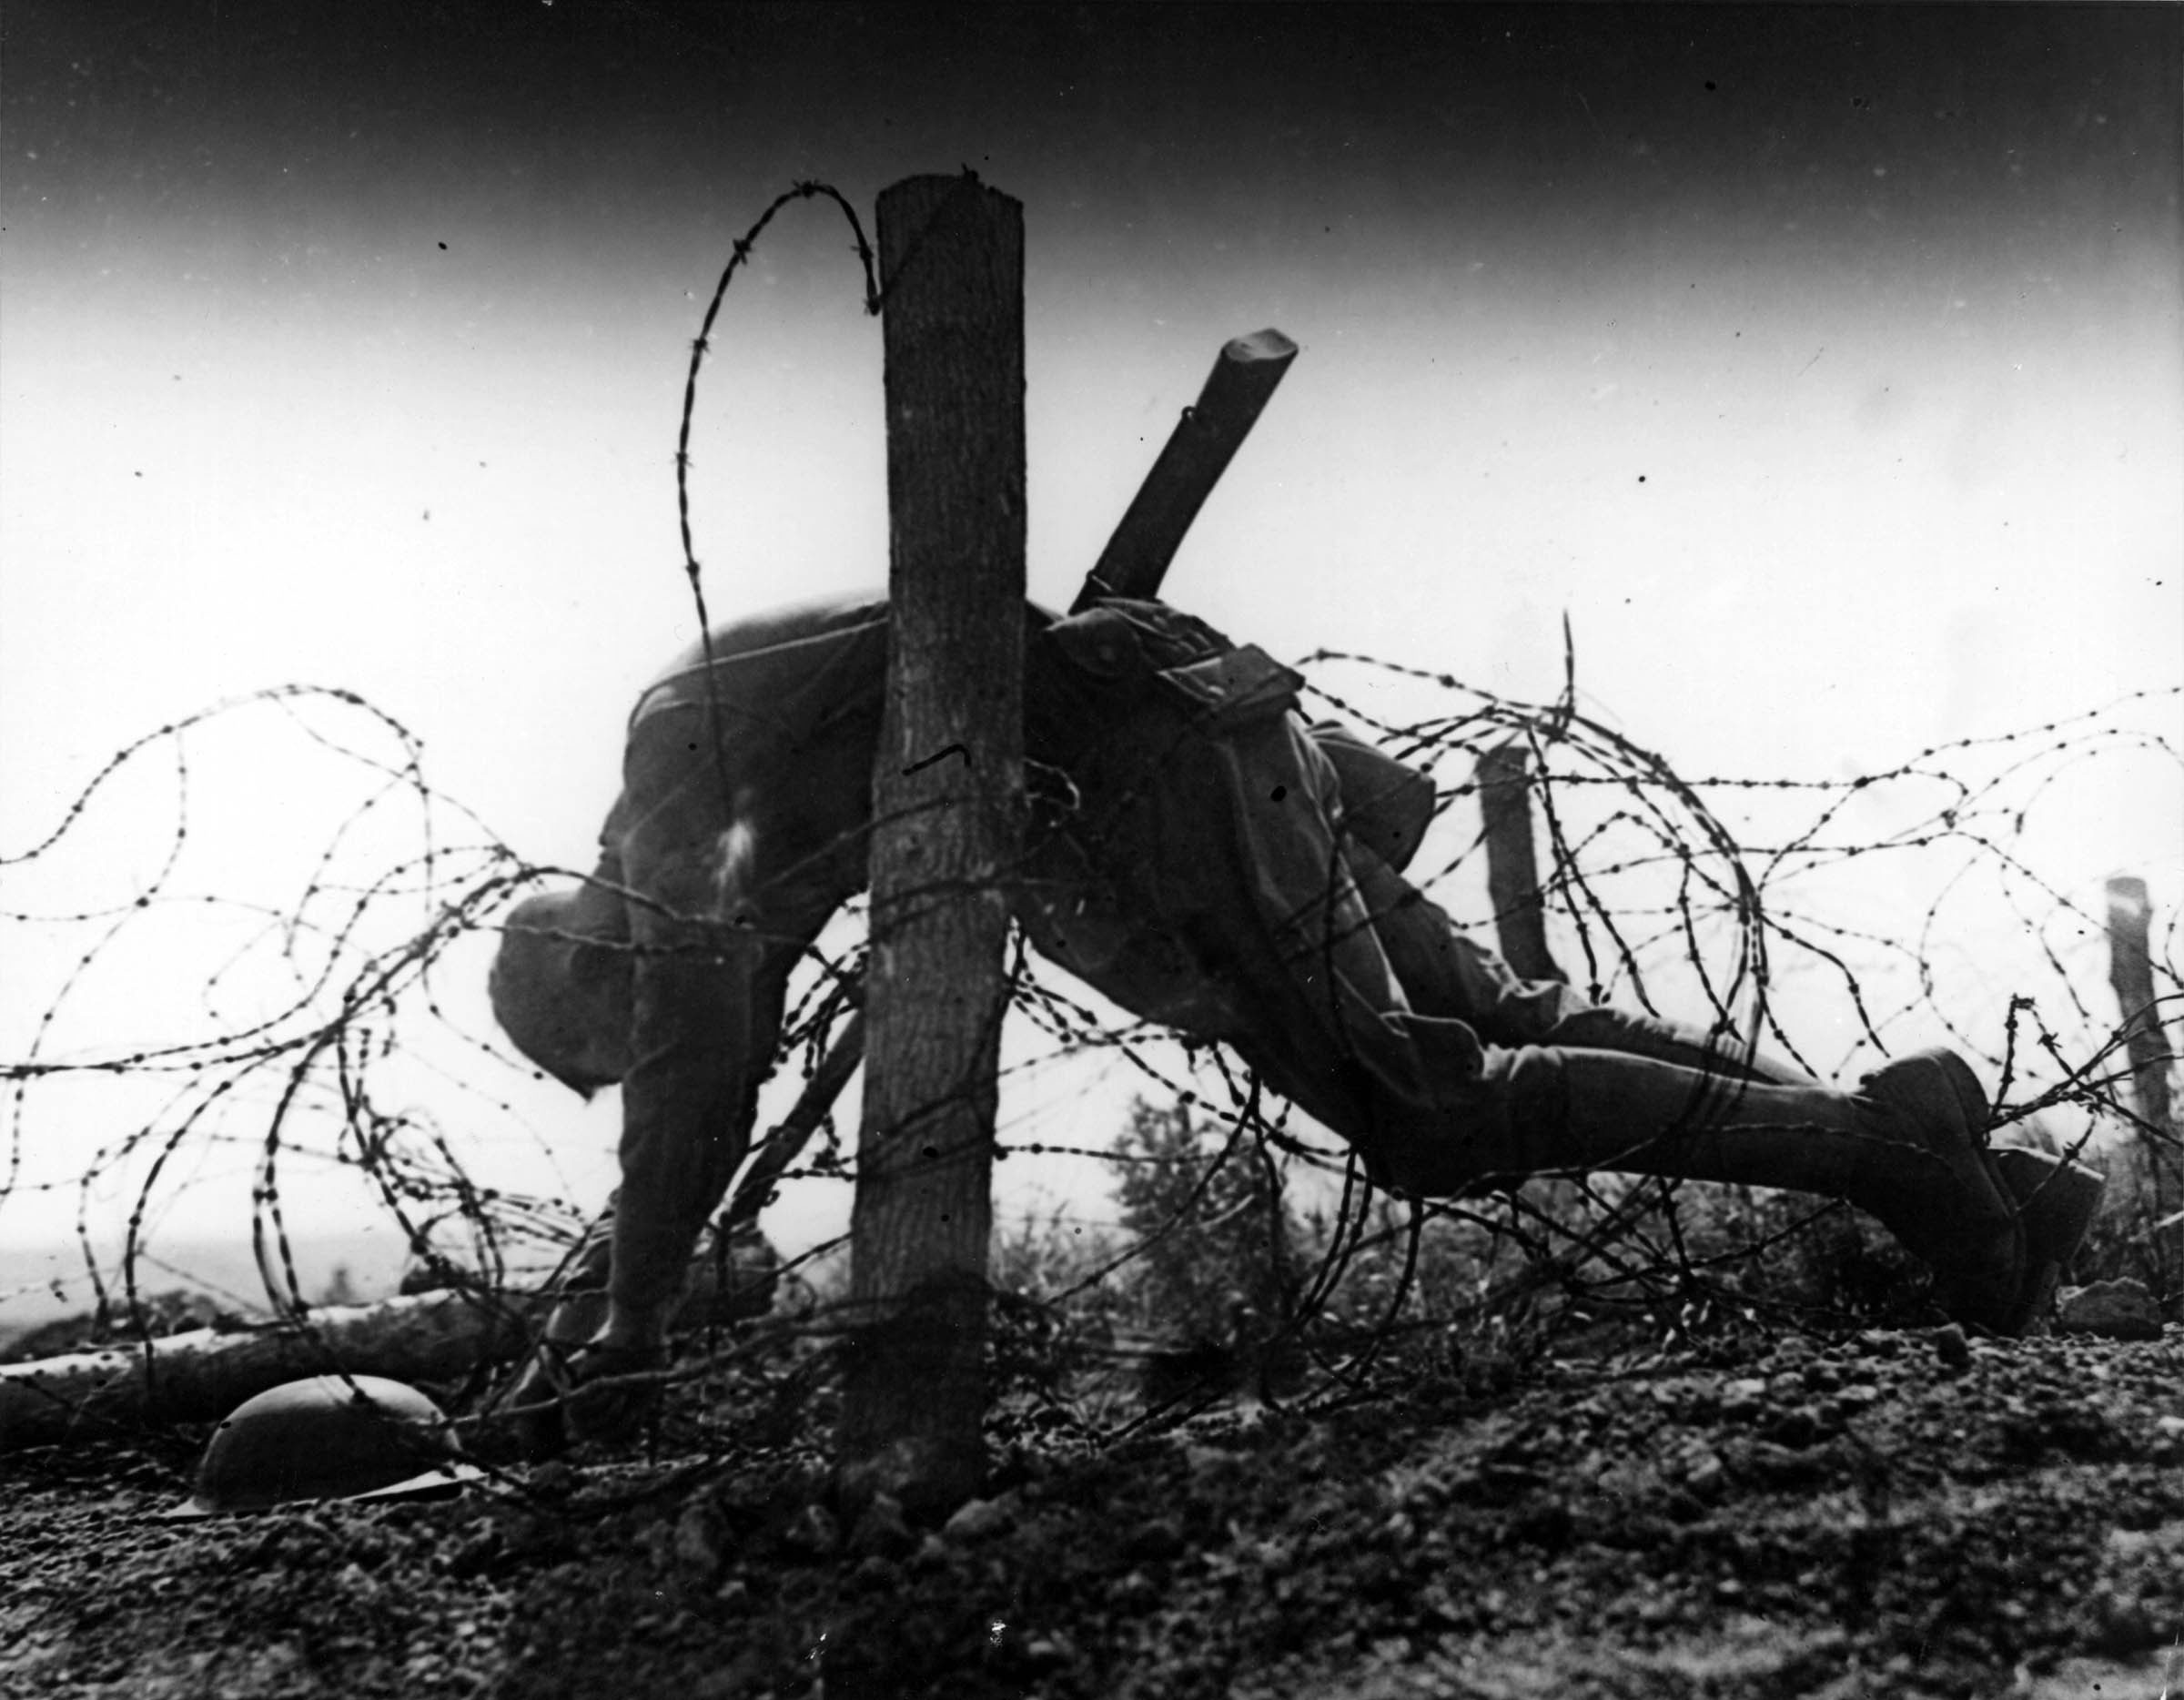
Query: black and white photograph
column 862, row 852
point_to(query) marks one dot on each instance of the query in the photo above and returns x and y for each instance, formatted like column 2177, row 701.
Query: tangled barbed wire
column 340, row 1051
column 339, row 1044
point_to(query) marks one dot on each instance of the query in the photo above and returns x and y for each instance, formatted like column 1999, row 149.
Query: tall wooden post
column 2156, row 1170
column 947, row 794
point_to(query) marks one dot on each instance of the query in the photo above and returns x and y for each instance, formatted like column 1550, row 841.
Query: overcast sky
column 1825, row 368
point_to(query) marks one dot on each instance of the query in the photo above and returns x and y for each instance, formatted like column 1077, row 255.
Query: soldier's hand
column 595, row 1391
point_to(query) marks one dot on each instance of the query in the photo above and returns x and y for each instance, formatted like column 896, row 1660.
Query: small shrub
column 1220, row 1260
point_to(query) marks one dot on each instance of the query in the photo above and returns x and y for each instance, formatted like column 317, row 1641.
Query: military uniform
column 1206, row 859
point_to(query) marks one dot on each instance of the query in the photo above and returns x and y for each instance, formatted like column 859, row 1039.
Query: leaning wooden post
column 947, row 791
column 2158, row 1170
column 1197, row 452
column 1513, row 869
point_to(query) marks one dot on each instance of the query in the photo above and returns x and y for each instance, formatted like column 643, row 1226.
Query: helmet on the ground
column 328, row 1437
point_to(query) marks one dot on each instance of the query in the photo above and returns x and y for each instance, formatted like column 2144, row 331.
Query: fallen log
column 202, row 1374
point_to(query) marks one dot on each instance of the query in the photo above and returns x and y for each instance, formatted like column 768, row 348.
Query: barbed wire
column 360, row 1050
column 740, row 256
column 1653, row 888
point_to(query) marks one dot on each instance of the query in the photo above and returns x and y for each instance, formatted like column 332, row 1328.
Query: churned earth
column 1884, row 1514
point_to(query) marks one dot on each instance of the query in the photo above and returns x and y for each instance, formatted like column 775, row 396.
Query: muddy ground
column 1884, row 1513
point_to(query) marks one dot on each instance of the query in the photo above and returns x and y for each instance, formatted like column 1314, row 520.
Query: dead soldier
column 1207, row 861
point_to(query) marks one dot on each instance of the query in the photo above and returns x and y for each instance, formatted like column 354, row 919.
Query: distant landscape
column 46, row 1283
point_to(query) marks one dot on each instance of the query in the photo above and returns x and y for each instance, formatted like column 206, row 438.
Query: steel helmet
column 327, row 1437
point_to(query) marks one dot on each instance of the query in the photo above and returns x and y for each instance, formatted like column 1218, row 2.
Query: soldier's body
column 1206, row 860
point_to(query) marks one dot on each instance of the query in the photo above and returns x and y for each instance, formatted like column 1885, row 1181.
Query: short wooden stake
column 948, row 796
column 1513, row 878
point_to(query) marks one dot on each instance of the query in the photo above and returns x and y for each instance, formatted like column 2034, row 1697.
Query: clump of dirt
column 1886, row 1513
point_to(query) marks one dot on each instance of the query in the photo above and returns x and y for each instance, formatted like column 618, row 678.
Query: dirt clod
column 2112, row 1309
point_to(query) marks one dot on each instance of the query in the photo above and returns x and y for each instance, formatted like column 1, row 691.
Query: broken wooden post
column 947, row 794
column 1197, row 452
column 1512, row 876
column 2157, row 1166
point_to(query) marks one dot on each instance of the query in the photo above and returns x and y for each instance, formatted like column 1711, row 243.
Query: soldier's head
column 560, row 986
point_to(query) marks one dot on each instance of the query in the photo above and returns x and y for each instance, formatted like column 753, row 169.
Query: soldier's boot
column 1910, row 1147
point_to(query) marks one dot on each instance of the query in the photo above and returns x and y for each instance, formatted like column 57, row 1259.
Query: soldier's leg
column 1908, row 1147
column 1571, row 1086
column 1356, row 998
column 1445, row 973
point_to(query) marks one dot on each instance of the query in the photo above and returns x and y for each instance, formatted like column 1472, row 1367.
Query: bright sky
column 1826, row 369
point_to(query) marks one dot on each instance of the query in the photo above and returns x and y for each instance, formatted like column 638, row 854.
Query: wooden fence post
column 1512, row 876
column 2156, row 1169
column 947, row 791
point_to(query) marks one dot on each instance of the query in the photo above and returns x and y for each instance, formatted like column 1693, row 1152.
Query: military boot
column 1908, row 1146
